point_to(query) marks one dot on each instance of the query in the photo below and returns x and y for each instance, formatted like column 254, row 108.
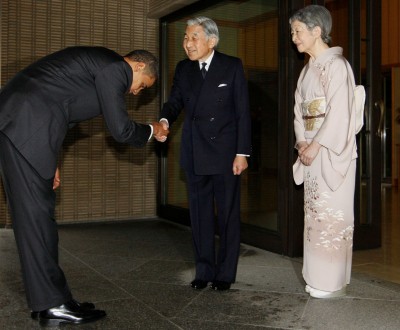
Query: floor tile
column 139, row 272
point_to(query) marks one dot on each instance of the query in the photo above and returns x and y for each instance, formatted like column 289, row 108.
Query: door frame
column 367, row 234
column 288, row 240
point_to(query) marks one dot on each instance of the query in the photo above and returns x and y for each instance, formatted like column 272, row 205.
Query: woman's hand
column 308, row 154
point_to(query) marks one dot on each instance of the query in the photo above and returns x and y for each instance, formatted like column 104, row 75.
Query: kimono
column 325, row 112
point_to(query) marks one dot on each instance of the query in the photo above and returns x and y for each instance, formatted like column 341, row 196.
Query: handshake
column 160, row 130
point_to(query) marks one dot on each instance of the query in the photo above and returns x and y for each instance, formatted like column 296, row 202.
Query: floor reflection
column 384, row 262
column 259, row 199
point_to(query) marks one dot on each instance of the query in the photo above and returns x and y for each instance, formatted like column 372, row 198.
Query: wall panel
column 390, row 33
column 101, row 180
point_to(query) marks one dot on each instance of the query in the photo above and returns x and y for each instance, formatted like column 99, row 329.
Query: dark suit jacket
column 41, row 102
column 217, row 118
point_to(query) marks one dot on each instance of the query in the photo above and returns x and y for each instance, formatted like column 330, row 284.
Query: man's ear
column 139, row 66
column 212, row 42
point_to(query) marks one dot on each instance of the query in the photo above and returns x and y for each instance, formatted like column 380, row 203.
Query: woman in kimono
column 324, row 126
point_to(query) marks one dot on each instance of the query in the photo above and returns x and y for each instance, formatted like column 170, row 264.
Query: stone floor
column 139, row 272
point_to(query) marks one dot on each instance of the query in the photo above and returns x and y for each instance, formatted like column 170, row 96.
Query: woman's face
column 303, row 38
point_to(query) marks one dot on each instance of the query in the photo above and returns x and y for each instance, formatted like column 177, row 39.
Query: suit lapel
column 203, row 89
column 214, row 72
column 197, row 79
column 213, row 77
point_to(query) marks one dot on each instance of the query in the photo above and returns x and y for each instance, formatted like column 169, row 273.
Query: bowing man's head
column 145, row 70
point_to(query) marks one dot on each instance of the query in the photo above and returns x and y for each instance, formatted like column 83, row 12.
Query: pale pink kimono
column 324, row 112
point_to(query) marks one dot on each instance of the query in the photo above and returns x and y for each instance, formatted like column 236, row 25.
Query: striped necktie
column 203, row 69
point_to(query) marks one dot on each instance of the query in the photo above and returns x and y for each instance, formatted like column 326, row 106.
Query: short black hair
column 144, row 56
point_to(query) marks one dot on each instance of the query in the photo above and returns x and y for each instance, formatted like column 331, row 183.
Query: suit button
column 212, row 138
column 212, row 119
column 194, row 118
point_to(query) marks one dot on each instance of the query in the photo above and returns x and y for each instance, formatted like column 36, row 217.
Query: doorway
column 257, row 31
column 249, row 30
column 357, row 28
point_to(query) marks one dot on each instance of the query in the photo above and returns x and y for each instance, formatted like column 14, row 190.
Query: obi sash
column 314, row 113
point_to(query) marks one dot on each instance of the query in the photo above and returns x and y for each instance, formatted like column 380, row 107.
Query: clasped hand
column 160, row 131
column 308, row 152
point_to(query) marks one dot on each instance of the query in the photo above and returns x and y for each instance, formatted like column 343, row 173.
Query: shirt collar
column 208, row 61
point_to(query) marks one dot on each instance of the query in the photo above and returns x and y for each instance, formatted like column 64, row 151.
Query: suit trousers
column 207, row 194
column 31, row 200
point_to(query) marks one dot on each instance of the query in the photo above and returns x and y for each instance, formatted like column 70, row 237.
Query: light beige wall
column 101, row 180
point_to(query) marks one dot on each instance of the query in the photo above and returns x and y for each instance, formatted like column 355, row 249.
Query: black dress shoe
column 220, row 285
column 69, row 312
column 198, row 284
column 84, row 305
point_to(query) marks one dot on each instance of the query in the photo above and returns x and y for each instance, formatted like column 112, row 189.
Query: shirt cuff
column 243, row 155
column 166, row 120
column 151, row 133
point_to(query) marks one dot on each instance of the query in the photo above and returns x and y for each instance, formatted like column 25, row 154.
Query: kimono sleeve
column 334, row 131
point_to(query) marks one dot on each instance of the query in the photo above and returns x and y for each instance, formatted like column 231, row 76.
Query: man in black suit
column 37, row 106
column 212, row 89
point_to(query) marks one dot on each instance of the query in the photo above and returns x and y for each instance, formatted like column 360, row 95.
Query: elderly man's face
column 196, row 45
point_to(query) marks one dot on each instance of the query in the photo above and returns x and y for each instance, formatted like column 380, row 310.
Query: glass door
column 358, row 31
column 248, row 30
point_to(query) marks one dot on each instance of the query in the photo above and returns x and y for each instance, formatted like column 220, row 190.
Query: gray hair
column 315, row 15
column 209, row 26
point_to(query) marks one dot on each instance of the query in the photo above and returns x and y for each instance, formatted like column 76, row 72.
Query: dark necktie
column 203, row 69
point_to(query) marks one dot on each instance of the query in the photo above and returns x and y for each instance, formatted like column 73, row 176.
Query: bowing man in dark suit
column 37, row 106
column 215, row 143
